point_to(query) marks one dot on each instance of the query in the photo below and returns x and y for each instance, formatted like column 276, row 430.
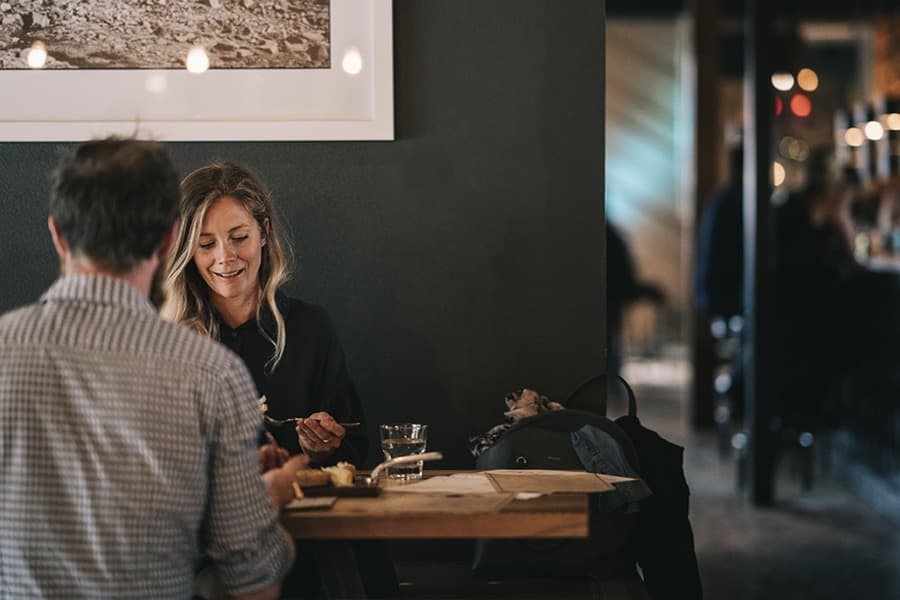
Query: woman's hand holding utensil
column 320, row 435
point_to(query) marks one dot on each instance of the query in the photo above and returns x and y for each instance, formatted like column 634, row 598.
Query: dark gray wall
column 461, row 261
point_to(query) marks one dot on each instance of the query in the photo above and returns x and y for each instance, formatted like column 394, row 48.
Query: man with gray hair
column 127, row 444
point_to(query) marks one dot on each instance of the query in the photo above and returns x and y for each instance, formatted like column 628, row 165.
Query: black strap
column 632, row 403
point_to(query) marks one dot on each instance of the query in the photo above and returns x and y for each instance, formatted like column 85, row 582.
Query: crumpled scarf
column 520, row 404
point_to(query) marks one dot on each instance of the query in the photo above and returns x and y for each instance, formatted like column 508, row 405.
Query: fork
column 269, row 420
column 264, row 408
column 278, row 422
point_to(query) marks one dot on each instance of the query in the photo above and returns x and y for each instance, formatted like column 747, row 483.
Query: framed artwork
column 277, row 70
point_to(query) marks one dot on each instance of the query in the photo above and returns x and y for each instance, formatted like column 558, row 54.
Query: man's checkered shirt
column 127, row 448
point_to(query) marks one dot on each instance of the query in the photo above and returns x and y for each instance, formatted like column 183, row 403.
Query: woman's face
column 229, row 251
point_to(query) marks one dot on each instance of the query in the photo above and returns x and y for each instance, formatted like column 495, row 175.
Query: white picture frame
column 220, row 104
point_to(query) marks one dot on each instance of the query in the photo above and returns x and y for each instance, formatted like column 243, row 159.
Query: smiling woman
column 228, row 258
column 219, row 203
column 222, row 281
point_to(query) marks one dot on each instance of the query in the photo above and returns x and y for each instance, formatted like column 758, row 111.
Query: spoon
column 372, row 479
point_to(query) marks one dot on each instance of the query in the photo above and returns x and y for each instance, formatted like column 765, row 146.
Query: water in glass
column 403, row 440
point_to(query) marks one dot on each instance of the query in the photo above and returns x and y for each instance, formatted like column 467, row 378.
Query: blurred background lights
column 854, row 137
column 874, row 130
column 739, row 441
column 784, row 146
column 800, row 105
column 777, row 173
column 156, row 83
column 893, row 121
column 807, row 80
column 197, row 60
column 722, row 383
column 779, row 106
column 37, row 55
column 352, row 62
column 782, row 81
column 793, row 148
column 718, row 327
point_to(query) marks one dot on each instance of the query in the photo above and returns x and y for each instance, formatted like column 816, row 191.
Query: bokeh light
column 793, row 148
column 778, row 173
column 37, row 55
column 801, row 105
column 893, row 121
column 352, row 62
column 854, row 137
column 156, row 83
column 782, row 81
column 807, row 80
column 873, row 130
column 197, row 60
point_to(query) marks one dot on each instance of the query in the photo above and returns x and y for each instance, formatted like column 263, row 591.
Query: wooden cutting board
column 354, row 491
column 311, row 503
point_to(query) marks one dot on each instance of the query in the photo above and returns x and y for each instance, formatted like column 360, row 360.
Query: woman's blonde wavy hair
column 186, row 294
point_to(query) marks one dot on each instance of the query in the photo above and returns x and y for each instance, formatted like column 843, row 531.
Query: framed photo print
column 197, row 70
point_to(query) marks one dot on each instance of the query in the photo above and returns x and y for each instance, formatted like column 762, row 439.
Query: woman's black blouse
column 311, row 376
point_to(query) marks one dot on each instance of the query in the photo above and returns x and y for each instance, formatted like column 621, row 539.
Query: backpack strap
column 575, row 398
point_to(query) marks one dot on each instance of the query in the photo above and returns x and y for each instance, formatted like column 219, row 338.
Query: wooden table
column 445, row 517
column 555, row 516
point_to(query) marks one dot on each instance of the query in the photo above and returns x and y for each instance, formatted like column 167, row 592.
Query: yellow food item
column 341, row 474
column 312, row 477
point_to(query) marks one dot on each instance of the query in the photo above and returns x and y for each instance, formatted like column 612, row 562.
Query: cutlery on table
column 271, row 421
column 372, row 479
column 264, row 407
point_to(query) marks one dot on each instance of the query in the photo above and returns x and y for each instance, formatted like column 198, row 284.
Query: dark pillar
column 707, row 147
column 758, row 108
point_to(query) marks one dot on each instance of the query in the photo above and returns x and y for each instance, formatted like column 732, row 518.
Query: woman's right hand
column 320, row 435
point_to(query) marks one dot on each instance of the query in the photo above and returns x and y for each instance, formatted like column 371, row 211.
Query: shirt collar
column 266, row 320
column 99, row 289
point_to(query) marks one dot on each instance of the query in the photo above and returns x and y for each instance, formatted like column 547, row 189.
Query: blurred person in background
column 623, row 288
column 814, row 268
column 719, row 277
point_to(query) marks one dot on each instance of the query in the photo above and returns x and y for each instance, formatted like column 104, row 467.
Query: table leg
column 339, row 571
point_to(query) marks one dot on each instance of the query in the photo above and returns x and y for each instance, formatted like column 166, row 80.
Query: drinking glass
column 403, row 439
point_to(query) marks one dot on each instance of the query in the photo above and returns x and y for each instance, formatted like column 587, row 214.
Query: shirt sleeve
column 244, row 539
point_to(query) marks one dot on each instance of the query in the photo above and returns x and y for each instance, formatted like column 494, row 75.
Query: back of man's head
column 113, row 200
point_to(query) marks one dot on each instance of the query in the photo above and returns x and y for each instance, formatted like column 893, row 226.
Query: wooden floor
column 823, row 543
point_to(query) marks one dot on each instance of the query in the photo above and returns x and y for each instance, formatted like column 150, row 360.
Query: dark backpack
column 658, row 537
column 544, row 442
